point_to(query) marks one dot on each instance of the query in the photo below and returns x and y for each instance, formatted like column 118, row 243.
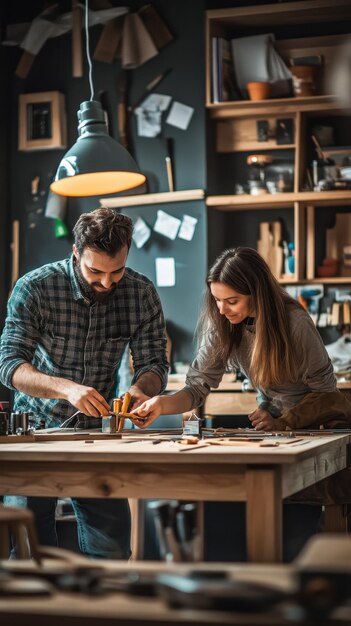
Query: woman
column 250, row 323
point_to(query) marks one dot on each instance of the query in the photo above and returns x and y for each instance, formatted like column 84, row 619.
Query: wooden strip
column 280, row 199
column 15, row 251
column 108, row 46
column 310, row 243
column 77, row 58
column 24, row 65
column 281, row 106
column 118, row 481
column 137, row 511
column 153, row 198
column 299, row 237
column 156, row 27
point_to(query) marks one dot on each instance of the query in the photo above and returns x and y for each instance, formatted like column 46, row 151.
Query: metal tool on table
column 192, row 425
column 19, row 423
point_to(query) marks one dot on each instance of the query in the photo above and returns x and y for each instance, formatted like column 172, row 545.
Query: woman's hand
column 262, row 420
column 148, row 412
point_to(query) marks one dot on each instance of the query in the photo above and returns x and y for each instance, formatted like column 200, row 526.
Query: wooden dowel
column 169, row 173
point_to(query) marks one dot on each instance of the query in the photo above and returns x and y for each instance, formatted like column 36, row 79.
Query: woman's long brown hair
column 273, row 357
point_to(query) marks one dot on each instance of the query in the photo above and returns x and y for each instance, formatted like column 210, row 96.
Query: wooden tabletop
column 228, row 383
column 129, row 449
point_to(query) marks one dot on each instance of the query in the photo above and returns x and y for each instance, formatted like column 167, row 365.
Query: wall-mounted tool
column 15, row 251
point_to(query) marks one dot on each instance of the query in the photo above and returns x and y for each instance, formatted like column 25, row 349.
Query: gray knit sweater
column 315, row 370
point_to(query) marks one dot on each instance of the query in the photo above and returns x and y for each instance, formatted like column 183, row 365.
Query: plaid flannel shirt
column 52, row 325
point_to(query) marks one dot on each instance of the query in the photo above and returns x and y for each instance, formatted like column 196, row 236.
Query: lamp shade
column 96, row 164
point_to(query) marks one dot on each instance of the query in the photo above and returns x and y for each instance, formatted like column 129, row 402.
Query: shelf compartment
column 240, row 135
column 243, row 21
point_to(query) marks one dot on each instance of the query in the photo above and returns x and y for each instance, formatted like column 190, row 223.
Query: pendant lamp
column 96, row 164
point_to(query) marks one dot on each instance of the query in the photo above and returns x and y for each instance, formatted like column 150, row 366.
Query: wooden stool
column 20, row 524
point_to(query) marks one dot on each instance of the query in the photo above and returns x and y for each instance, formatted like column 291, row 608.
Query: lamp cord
column 88, row 51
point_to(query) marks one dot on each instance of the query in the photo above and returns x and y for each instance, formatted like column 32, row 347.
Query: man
column 67, row 326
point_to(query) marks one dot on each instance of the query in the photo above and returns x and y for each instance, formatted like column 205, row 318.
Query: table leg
column 335, row 518
column 264, row 514
column 137, row 511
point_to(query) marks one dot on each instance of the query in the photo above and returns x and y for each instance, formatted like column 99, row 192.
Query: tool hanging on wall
column 269, row 246
column 169, row 164
column 15, row 251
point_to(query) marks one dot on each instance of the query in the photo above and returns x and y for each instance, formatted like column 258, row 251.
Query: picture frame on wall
column 42, row 121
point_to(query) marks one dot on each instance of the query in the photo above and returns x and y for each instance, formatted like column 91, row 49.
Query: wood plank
column 281, row 200
column 309, row 471
column 108, row 481
column 109, row 43
column 299, row 239
column 177, row 381
column 279, row 106
column 285, row 13
column 241, row 135
column 77, row 56
column 227, row 403
column 310, row 242
column 153, row 198
column 15, row 251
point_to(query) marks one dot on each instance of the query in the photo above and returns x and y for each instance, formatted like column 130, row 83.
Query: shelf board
column 153, row 198
column 332, row 280
column 330, row 151
column 258, row 146
column 278, row 200
column 241, row 108
column 284, row 13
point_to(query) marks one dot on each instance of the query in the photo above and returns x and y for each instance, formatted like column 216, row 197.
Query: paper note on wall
column 156, row 102
column 165, row 272
column 180, row 115
column 187, row 227
column 141, row 232
column 166, row 225
column 148, row 122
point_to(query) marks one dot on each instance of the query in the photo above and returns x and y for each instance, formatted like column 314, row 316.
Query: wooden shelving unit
column 233, row 130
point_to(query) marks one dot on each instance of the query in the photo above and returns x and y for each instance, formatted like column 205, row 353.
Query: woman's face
column 235, row 306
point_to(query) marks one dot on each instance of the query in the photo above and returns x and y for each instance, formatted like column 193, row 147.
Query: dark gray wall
column 5, row 217
column 52, row 70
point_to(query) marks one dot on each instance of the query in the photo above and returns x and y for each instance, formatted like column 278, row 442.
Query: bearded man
column 67, row 326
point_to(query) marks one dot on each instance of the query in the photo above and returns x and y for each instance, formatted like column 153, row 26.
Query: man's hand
column 87, row 400
column 138, row 397
column 262, row 420
column 147, row 412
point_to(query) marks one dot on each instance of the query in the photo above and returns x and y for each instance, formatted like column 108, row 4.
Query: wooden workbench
column 229, row 398
column 260, row 476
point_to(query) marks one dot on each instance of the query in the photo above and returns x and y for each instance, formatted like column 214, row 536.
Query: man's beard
column 88, row 288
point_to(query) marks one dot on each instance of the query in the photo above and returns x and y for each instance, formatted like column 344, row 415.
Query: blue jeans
column 103, row 525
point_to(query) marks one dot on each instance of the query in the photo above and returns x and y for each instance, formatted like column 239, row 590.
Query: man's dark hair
column 103, row 230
